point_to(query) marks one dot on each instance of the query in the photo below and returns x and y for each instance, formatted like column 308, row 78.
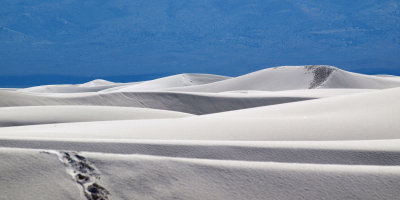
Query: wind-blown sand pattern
column 291, row 132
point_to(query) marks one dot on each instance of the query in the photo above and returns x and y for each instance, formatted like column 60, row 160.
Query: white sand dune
column 30, row 115
column 372, row 115
column 316, row 93
column 92, row 86
column 351, row 152
column 296, row 78
column 33, row 175
column 296, row 170
column 389, row 77
column 179, row 80
column 195, row 103
column 97, row 82
column 172, row 178
column 293, row 132
column 9, row 89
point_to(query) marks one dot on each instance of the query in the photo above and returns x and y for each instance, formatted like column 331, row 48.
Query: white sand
column 30, row 115
column 296, row 78
column 195, row 103
column 180, row 80
column 372, row 115
column 302, row 133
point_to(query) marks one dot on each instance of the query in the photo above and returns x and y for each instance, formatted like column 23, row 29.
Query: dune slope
column 92, row 86
column 132, row 176
column 372, row 115
column 194, row 103
column 296, row 78
column 179, row 80
column 30, row 115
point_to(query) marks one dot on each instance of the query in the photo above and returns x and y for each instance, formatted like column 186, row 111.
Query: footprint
column 84, row 174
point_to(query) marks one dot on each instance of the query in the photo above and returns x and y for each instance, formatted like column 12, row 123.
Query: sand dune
column 195, row 103
column 180, row 80
column 271, row 79
column 351, row 152
column 313, row 172
column 97, row 85
column 296, row 78
column 30, row 115
column 215, row 179
column 372, row 115
column 92, row 86
column 97, row 82
column 293, row 132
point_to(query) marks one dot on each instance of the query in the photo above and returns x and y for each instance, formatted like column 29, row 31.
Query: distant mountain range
column 218, row 37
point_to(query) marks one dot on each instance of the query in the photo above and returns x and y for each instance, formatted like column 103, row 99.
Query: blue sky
column 100, row 38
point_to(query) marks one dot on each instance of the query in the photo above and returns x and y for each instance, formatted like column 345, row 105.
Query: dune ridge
column 296, row 78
